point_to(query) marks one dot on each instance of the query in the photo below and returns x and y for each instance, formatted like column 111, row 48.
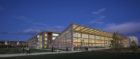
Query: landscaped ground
column 18, row 50
column 84, row 55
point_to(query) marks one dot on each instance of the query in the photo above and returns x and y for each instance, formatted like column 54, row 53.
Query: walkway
column 41, row 53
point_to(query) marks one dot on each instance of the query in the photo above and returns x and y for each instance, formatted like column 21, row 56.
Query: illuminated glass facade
column 89, row 40
column 78, row 37
column 63, row 41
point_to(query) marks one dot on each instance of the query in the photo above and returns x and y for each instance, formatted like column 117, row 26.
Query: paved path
column 41, row 53
column 94, row 49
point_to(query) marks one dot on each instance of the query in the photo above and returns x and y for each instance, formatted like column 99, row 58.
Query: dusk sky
column 21, row 19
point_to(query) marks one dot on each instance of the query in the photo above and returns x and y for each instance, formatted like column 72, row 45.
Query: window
column 92, row 41
column 45, row 34
column 37, row 36
column 102, row 38
column 45, row 39
column 53, row 38
column 92, row 37
column 76, row 40
column 85, row 40
column 84, row 35
column 45, row 42
column 97, row 37
column 54, row 34
column 77, row 34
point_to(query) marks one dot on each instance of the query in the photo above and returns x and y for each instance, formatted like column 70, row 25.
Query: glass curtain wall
column 64, row 41
column 88, row 40
column 77, row 36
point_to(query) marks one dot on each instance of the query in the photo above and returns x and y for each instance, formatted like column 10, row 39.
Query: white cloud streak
column 98, row 18
column 37, row 26
column 31, row 31
column 34, row 31
column 99, row 11
column 125, row 28
column 26, row 20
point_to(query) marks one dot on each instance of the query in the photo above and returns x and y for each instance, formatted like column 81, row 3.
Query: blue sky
column 21, row 19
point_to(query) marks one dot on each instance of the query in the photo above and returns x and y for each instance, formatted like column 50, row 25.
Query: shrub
column 133, row 46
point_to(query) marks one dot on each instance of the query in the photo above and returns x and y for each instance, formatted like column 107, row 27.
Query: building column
column 72, row 49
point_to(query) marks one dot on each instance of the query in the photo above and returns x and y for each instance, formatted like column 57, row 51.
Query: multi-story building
column 42, row 39
column 77, row 36
column 12, row 44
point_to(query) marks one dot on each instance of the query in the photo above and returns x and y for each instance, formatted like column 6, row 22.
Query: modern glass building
column 42, row 39
column 76, row 36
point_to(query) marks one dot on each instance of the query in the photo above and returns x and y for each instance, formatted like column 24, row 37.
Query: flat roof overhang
column 88, row 30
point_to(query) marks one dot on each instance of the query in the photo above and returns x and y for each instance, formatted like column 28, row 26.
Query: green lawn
column 83, row 55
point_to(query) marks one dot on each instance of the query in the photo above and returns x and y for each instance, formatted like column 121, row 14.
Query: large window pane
column 76, row 34
column 91, row 36
column 84, row 35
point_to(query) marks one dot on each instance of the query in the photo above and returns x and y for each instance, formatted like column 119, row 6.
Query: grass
column 103, row 54
column 19, row 50
column 10, row 50
column 83, row 55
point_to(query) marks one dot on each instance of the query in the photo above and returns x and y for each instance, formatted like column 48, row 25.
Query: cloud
column 99, row 11
column 59, row 27
column 125, row 28
column 97, row 20
column 25, row 32
column 38, row 25
column 27, row 20
column 23, row 19
column 55, row 28
column 35, row 31
column 31, row 31
column 20, row 17
column 40, row 29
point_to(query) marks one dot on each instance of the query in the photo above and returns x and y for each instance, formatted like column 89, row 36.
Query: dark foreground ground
column 83, row 55
column 20, row 50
